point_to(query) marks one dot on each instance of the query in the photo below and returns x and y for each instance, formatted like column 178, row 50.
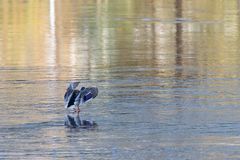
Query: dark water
column 167, row 72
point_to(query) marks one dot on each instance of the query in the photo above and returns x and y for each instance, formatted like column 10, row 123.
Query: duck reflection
column 73, row 120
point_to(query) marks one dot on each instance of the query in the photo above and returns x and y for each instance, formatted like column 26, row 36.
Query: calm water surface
column 167, row 71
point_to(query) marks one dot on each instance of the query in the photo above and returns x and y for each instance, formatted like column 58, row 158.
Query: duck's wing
column 73, row 85
column 70, row 94
column 72, row 99
column 85, row 95
column 89, row 93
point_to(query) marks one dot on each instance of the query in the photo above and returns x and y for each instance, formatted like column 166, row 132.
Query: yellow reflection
column 103, row 34
column 23, row 32
column 52, row 34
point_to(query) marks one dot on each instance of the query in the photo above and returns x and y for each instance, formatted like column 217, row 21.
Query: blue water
column 167, row 73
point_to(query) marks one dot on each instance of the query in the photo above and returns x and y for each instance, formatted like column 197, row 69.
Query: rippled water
column 167, row 72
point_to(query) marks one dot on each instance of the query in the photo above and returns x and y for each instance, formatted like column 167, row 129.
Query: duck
column 74, row 97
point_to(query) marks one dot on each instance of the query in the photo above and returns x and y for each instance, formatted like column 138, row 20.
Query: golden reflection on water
column 63, row 33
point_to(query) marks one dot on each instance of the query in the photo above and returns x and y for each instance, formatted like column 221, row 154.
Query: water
column 167, row 72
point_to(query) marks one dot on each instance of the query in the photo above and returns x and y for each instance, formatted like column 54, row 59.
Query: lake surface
column 168, row 74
